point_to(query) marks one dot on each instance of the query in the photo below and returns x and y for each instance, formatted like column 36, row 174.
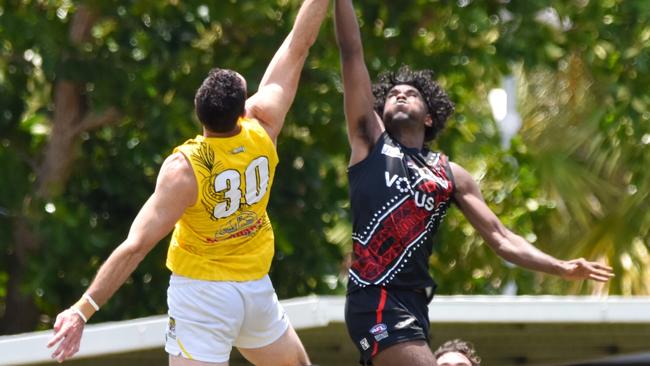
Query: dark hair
column 439, row 105
column 220, row 100
column 463, row 347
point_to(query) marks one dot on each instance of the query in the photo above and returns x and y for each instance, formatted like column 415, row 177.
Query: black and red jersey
column 398, row 197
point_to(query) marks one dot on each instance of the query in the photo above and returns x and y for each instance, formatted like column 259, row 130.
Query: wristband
column 85, row 307
column 78, row 312
column 91, row 301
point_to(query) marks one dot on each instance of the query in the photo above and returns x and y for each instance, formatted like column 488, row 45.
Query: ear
column 428, row 120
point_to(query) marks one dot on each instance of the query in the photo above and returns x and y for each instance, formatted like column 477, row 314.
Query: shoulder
column 258, row 110
column 176, row 169
column 256, row 131
column 188, row 147
column 252, row 125
column 463, row 179
column 177, row 177
column 455, row 168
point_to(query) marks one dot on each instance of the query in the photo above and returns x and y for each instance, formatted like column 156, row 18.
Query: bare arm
column 364, row 125
column 176, row 190
column 280, row 81
column 511, row 246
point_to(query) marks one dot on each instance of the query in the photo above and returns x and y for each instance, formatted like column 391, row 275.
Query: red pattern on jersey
column 397, row 231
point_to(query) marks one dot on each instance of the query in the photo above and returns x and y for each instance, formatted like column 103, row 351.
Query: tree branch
column 93, row 120
column 82, row 23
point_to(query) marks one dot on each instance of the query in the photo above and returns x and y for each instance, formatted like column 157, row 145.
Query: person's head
column 220, row 100
column 408, row 99
column 457, row 353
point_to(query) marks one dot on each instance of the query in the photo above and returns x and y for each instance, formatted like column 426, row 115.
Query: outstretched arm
column 364, row 125
column 511, row 246
column 280, row 81
column 176, row 189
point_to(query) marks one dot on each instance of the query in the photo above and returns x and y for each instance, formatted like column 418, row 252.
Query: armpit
column 368, row 130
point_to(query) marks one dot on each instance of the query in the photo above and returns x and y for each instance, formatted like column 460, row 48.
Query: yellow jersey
column 227, row 235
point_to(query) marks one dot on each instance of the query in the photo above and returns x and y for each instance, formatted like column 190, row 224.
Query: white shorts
column 208, row 318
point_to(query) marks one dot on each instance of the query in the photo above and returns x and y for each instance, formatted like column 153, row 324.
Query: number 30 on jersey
column 230, row 183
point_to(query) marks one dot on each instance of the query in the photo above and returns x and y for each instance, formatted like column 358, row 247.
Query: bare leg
column 415, row 353
column 180, row 361
column 285, row 351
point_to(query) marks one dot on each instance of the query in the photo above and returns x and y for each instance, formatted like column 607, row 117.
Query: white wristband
column 91, row 301
column 80, row 314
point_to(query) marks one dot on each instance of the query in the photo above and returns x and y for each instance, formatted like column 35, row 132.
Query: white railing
column 319, row 311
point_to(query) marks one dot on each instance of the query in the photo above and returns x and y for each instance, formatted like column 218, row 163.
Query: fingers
column 599, row 272
column 66, row 349
column 603, row 272
column 58, row 335
column 599, row 278
column 58, row 352
column 602, row 267
column 67, row 333
column 57, row 323
column 59, row 330
column 591, row 270
column 68, row 346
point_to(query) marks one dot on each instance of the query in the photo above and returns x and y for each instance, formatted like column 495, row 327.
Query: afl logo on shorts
column 379, row 331
column 379, row 328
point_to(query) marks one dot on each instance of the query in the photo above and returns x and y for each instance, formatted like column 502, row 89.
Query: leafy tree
column 94, row 95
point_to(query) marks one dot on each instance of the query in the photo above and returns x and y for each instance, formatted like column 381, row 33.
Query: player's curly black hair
column 439, row 104
column 463, row 347
column 220, row 100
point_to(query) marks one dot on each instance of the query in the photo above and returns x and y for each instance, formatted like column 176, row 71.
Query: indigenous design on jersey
column 227, row 235
column 398, row 197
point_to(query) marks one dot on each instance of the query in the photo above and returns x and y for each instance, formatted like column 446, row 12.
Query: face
column 453, row 359
column 405, row 103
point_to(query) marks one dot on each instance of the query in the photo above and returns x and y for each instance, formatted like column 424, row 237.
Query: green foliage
column 575, row 181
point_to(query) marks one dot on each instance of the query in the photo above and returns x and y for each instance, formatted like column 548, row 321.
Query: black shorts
column 378, row 318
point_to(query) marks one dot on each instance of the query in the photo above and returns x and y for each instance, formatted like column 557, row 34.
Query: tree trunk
column 21, row 314
column 69, row 120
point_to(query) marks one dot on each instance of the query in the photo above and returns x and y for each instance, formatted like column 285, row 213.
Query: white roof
column 319, row 311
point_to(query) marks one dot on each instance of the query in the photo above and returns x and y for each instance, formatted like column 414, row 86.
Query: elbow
column 309, row 41
column 499, row 247
column 506, row 252
column 297, row 51
column 301, row 45
column 350, row 51
column 135, row 250
column 348, row 42
column 499, row 242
